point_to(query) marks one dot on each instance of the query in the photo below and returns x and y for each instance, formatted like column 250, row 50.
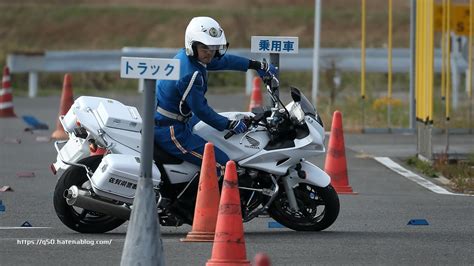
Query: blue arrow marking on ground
column 418, row 222
column 34, row 123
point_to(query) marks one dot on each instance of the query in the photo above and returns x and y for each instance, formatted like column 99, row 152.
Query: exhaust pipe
column 82, row 198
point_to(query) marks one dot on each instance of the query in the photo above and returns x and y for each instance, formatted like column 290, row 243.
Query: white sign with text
column 274, row 45
column 149, row 68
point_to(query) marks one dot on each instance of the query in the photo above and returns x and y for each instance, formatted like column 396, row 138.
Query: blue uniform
column 174, row 134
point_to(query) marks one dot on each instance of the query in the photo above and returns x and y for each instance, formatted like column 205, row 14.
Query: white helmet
column 206, row 31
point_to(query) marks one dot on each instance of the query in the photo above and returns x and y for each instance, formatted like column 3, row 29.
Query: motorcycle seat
column 162, row 157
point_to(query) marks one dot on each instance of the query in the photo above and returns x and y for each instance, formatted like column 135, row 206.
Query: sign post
column 274, row 45
column 143, row 244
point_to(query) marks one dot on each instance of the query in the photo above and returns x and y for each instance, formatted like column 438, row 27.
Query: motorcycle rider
column 182, row 103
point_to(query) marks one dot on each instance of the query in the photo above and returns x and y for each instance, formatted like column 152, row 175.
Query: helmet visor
column 213, row 48
column 210, row 47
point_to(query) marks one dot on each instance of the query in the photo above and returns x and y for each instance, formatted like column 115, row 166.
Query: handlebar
column 272, row 83
column 229, row 134
column 247, row 120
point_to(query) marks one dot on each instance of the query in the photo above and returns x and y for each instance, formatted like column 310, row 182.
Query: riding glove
column 237, row 126
column 263, row 68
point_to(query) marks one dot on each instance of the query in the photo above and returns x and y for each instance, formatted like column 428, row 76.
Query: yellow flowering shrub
column 382, row 103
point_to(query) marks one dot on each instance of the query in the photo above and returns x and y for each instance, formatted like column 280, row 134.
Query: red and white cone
column 6, row 97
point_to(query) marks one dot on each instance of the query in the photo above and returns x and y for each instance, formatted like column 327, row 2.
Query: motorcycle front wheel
column 78, row 219
column 318, row 208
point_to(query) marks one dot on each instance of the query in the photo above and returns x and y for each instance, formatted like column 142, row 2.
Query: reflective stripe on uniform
column 180, row 117
column 190, row 86
column 184, row 151
column 171, row 115
column 176, row 142
column 200, row 157
column 196, row 154
column 186, row 92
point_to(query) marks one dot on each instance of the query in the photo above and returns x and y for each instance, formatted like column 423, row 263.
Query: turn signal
column 53, row 169
column 92, row 147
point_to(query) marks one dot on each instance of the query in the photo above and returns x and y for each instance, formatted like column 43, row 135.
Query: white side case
column 117, row 177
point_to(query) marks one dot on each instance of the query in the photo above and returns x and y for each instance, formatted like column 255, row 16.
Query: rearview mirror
column 295, row 94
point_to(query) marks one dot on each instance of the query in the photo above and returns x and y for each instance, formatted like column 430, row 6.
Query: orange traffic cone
column 229, row 243
column 66, row 102
column 336, row 166
column 207, row 202
column 256, row 97
column 6, row 97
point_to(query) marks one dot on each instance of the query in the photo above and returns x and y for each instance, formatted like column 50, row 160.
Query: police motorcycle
column 95, row 194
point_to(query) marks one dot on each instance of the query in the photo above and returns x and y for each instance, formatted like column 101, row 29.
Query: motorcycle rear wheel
column 78, row 219
column 318, row 208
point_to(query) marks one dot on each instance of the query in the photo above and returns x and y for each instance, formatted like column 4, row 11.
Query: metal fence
column 345, row 60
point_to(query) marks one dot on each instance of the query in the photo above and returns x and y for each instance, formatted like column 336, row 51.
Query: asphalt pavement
column 372, row 228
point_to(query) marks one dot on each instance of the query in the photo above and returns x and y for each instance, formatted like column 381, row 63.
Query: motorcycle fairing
column 314, row 176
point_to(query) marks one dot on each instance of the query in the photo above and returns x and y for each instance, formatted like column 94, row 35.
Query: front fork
column 304, row 172
column 290, row 194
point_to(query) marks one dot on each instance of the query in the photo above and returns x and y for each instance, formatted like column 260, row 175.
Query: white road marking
column 414, row 177
column 21, row 227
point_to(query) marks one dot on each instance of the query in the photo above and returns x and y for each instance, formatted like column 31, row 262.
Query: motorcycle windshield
column 307, row 106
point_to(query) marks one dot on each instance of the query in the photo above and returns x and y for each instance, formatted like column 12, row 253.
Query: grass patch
column 422, row 166
column 459, row 172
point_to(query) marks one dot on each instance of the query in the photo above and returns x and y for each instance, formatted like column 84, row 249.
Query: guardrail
column 109, row 61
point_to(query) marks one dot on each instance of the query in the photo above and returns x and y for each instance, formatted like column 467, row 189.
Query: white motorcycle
column 95, row 193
